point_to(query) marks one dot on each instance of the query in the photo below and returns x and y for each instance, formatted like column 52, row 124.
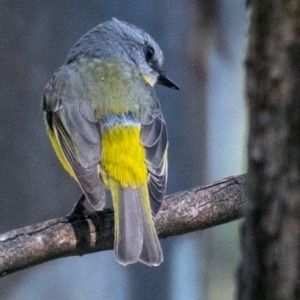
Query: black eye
column 149, row 53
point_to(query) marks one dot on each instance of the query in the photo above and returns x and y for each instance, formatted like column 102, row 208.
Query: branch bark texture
column 183, row 212
column 271, row 240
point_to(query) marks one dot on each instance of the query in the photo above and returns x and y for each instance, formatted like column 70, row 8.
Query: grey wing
column 155, row 141
column 77, row 134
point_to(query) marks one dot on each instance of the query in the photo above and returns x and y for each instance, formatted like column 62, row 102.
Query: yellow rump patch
column 123, row 157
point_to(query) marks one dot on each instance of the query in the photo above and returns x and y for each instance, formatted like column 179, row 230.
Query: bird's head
column 123, row 41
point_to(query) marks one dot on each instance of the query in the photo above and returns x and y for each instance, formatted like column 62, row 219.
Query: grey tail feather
column 135, row 235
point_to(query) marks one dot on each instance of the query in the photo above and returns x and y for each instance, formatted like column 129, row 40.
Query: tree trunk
column 270, row 267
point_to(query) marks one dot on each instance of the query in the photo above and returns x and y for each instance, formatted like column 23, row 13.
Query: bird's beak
column 164, row 80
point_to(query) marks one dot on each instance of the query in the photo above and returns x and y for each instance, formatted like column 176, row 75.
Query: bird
column 105, row 123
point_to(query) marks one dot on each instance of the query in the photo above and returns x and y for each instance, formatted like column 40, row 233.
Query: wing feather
column 78, row 135
column 154, row 139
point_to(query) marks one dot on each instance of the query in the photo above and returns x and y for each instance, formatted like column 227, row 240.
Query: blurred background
column 204, row 46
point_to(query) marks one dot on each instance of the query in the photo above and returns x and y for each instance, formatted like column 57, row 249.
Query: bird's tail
column 135, row 234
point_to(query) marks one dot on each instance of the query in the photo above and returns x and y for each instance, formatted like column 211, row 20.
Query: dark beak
column 164, row 80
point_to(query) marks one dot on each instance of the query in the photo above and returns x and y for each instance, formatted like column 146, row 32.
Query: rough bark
column 270, row 266
column 187, row 211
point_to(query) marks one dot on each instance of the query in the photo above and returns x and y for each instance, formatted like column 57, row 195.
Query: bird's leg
column 78, row 208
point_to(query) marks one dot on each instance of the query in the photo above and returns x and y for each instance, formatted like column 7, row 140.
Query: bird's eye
column 149, row 53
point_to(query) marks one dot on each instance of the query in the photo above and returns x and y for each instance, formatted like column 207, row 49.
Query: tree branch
column 183, row 212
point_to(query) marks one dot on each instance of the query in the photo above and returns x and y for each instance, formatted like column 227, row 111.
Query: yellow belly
column 123, row 156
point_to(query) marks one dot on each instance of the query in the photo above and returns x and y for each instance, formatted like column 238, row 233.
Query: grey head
column 119, row 40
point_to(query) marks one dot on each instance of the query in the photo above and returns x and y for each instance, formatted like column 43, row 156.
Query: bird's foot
column 78, row 210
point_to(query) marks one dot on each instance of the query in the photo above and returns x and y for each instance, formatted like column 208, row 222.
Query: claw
column 78, row 209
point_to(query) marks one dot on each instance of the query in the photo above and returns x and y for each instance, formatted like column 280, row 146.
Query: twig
column 183, row 212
